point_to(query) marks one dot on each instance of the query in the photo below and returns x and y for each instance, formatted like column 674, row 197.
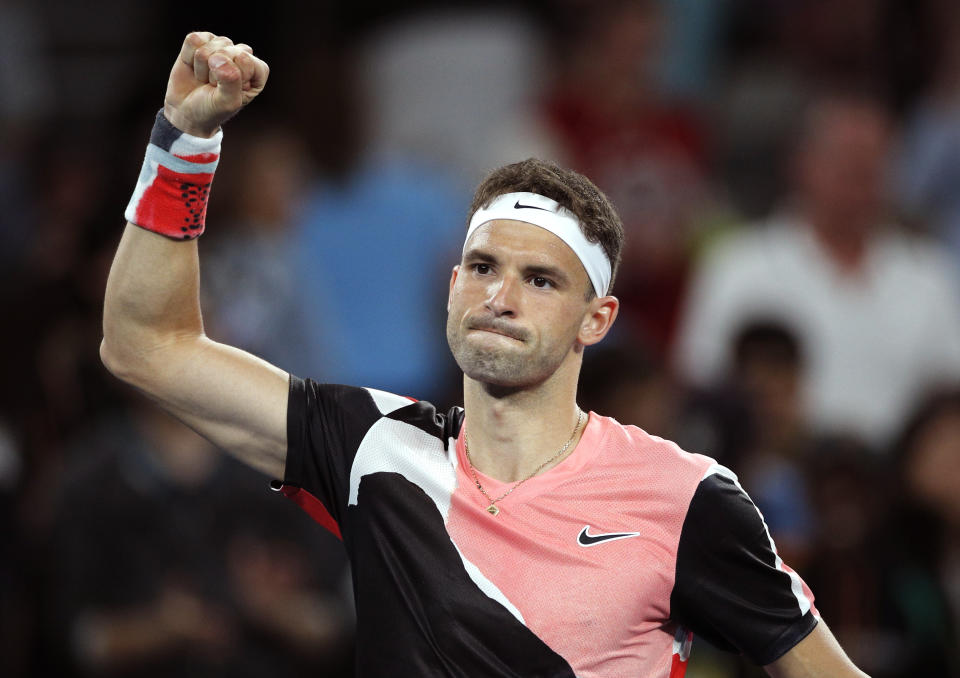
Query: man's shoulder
column 915, row 255
column 636, row 452
column 361, row 407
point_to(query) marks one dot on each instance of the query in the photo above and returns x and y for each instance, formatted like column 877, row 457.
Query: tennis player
column 515, row 536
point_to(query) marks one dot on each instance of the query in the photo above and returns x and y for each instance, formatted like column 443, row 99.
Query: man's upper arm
column 819, row 654
column 234, row 399
column 730, row 586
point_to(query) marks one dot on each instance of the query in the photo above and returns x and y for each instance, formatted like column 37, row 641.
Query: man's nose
column 503, row 296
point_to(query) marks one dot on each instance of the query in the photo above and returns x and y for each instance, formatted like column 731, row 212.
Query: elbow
column 125, row 362
column 147, row 366
column 112, row 360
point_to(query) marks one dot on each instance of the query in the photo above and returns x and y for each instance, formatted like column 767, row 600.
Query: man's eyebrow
column 548, row 271
column 477, row 254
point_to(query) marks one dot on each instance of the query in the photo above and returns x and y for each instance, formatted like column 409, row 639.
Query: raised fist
column 211, row 80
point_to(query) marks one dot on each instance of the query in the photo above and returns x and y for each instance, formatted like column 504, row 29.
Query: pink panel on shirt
column 605, row 608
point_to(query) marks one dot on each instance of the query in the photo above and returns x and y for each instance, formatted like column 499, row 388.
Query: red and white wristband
column 171, row 193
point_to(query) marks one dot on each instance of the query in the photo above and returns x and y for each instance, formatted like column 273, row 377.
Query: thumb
column 228, row 79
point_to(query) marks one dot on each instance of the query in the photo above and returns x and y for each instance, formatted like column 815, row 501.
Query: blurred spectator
column 928, row 170
column 372, row 258
column 251, row 295
column 755, row 106
column 881, row 599
column 172, row 559
column 646, row 152
column 25, row 74
column 777, row 52
column 55, row 381
column 28, row 87
column 754, row 402
column 88, row 57
column 447, row 95
column 835, row 38
column 929, row 473
column 457, row 90
column 620, row 381
column 878, row 312
column 693, row 58
column 769, row 374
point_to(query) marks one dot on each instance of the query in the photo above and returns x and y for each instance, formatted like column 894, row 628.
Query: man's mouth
column 516, row 335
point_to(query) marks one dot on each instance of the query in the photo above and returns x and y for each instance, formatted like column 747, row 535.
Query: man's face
column 843, row 164
column 517, row 302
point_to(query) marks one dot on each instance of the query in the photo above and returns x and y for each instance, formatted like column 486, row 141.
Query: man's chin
column 488, row 368
column 506, row 375
column 497, row 380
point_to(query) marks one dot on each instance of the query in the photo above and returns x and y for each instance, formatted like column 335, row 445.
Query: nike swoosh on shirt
column 587, row 539
column 518, row 206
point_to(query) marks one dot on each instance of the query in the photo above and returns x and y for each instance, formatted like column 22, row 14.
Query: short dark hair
column 599, row 220
column 767, row 340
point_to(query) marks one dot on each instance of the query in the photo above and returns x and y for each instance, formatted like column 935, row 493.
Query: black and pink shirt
column 604, row 565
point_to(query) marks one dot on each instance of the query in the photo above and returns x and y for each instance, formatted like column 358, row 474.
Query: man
column 876, row 310
column 517, row 536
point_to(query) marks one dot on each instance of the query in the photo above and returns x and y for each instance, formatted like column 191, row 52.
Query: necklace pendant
column 493, row 510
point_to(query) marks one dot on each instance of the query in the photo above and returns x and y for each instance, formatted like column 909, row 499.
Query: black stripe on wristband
column 164, row 134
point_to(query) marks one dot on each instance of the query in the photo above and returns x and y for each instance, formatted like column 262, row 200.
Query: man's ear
column 453, row 280
column 598, row 320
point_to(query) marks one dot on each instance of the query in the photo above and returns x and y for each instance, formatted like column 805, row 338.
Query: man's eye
column 540, row 281
column 481, row 268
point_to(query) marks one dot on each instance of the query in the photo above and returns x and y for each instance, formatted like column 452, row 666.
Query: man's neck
column 512, row 432
column 846, row 244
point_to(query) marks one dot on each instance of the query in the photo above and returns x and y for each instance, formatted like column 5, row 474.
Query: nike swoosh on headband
column 587, row 539
column 518, row 206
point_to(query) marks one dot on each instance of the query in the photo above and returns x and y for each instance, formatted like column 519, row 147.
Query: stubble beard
column 501, row 367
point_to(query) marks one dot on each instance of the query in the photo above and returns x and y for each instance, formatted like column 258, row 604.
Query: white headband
column 532, row 208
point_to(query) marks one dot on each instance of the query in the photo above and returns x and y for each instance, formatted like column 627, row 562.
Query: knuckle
column 198, row 37
column 222, row 41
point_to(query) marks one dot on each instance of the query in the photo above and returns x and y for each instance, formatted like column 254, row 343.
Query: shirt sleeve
column 731, row 587
column 325, row 425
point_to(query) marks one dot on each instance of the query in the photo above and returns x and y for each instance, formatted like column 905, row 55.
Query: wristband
column 171, row 193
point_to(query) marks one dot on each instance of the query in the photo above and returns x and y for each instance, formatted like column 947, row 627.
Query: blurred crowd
column 787, row 173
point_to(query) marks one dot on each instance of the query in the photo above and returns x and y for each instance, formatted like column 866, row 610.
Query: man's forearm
column 817, row 655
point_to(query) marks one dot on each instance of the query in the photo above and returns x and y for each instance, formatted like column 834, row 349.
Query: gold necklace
column 492, row 509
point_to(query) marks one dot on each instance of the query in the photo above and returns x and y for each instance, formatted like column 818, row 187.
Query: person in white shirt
column 877, row 310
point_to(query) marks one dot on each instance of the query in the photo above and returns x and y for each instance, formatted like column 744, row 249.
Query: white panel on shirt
column 387, row 402
column 392, row 446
